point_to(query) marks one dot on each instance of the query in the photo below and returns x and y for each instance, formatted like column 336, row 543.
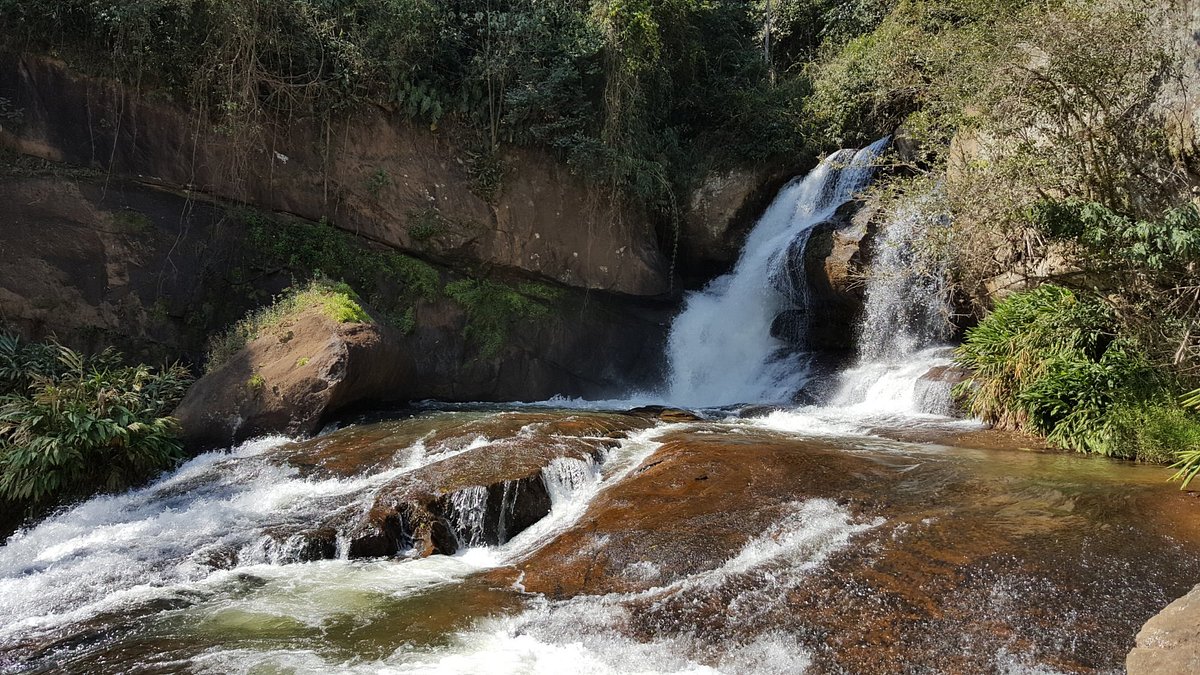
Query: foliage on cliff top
column 72, row 425
column 629, row 91
column 336, row 301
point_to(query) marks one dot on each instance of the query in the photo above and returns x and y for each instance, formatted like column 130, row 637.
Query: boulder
column 1169, row 643
column 291, row 379
column 498, row 477
column 822, row 278
column 721, row 210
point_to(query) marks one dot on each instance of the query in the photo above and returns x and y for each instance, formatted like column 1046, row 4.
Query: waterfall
column 905, row 321
column 721, row 350
column 906, row 309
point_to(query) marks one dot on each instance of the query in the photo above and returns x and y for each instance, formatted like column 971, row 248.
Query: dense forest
column 1043, row 131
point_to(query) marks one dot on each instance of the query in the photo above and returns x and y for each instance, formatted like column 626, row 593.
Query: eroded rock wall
column 124, row 237
column 371, row 173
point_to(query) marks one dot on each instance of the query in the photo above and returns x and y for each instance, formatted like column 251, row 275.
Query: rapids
column 868, row 532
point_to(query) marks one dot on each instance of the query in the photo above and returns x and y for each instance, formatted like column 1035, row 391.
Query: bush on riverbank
column 72, row 425
column 1056, row 362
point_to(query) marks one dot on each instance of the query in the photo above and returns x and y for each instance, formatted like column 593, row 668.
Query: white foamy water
column 721, row 350
column 590, row 634
column 116, row 551
column 905, row 322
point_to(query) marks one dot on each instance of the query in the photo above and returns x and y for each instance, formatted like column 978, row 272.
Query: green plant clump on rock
column 1052, row 361
column 337, row 301
column 493, row 309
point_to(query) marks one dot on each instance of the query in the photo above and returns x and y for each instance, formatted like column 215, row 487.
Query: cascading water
column 826, row 534
column 721, row 350
column 906, row 318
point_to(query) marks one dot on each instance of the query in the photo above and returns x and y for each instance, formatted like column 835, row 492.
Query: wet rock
column 791, row 326
column 304, row 546
column 835, row 259
column 935, row 391
column 821, row 278
column 482, row 497
column 292, row 379
column 494, row 482
column 666, row 414
column 688, row 508
column 1169, row 643
column 720, row 212
column 757, row 410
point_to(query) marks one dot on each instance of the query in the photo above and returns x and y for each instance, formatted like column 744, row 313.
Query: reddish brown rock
column 293, row 378
column 688, row 508
column 1169, row 643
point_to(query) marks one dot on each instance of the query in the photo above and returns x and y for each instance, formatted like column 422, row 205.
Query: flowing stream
column 869, row 533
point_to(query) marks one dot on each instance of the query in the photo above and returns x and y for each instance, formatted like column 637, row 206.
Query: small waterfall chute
column 906, row 318
column 722, row 349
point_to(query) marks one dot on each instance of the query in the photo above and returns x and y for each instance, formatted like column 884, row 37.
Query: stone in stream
column 1169, row 643
column 494, row 482
column 291, row 379
column 935, row 391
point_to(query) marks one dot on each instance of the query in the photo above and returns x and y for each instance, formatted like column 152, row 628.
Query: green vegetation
column 493, row 309
column 1054, row 362
column 337, row 301
column 637, row 94
column 425, row 224
column 72, row 425
column 256, row 382
column 378, row 181
column 388, row 281
column 1187, row 461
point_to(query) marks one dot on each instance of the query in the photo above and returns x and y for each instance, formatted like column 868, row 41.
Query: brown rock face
column 103, row 262
column 372, row 174
column 290, row 380
column 826, row 274
column 721, row 211
column 1169, row 643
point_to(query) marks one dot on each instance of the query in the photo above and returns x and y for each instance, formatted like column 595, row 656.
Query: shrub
column 21, row 362
column 1156, row 431
column 86, row 425
column 1050, row 362
column 1188, row 459
column 1148, row 265
column 337, row 301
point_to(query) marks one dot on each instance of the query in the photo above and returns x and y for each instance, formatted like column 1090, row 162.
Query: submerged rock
column 935, row 391
column 292, row 379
